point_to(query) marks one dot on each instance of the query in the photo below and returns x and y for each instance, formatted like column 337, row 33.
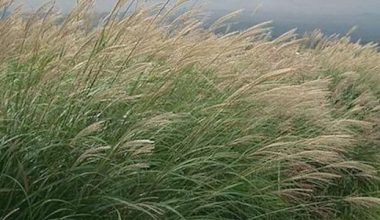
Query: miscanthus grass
column 152, row 116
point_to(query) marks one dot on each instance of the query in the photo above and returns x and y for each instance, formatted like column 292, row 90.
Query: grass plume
column 143, row 118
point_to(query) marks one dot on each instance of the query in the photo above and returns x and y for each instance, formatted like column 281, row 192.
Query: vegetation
column 142, row 118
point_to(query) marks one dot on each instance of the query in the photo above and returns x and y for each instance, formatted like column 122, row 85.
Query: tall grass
column 142, row 118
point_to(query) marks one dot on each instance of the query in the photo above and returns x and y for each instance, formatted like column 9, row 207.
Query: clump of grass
column 141, row 118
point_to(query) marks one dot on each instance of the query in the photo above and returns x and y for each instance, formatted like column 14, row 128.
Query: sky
column 304, row 6
column 329, row 15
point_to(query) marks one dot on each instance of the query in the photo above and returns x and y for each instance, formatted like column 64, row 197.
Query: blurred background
column 330, row 16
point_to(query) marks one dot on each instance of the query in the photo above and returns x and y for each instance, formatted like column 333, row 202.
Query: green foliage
column 124, row 123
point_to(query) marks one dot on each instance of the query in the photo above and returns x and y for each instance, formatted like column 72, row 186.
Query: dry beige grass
column 265, row 122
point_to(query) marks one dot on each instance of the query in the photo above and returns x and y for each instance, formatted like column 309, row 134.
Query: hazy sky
column 302, row 6
column 329, row 15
